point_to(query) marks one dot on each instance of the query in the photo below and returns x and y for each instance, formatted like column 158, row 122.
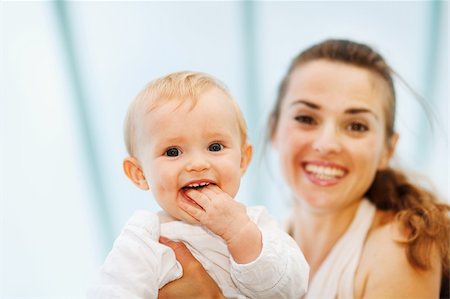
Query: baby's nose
column 197, row 162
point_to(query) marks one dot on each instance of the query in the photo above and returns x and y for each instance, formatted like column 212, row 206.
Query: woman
column 365, row 230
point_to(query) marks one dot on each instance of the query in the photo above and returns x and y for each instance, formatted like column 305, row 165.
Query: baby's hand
column 217, row 211
column 227, row 218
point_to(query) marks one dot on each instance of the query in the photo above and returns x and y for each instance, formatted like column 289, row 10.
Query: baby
column 187, row 143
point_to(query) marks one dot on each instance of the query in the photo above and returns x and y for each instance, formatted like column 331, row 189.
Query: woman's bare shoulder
column 384, row 270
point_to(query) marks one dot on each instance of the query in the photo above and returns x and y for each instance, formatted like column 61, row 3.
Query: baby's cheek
column 233, row 185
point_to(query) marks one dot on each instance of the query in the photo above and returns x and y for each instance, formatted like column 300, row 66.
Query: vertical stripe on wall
column 432, row 46
column 95, row 179
column 252, row 96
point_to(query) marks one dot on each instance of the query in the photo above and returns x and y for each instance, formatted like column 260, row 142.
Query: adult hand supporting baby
column 195, row 282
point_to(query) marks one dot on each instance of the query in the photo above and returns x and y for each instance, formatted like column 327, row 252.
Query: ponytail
column 425, row 220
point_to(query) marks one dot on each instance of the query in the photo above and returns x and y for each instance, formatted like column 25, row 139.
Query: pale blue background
column 68, row 71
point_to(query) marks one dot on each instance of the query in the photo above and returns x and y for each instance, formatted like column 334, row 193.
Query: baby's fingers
column 214, row 188
column 199, row 198
column 191, row 208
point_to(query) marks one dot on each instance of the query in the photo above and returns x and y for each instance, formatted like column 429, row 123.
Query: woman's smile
column 324, row 173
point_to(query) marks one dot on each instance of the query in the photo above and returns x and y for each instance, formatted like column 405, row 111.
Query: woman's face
column 330, row 135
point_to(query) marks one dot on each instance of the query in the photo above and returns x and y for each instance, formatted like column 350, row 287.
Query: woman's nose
column 197, row 162
column 328, row 140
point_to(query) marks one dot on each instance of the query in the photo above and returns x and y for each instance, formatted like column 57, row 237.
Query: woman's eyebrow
column 360, row 110
column 355, row 110
column 305, row 102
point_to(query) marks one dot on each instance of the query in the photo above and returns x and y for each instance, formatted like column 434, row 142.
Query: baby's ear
column 134, row 172
column 246, row 157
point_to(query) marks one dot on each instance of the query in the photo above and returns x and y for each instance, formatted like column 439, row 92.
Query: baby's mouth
column 196, row 186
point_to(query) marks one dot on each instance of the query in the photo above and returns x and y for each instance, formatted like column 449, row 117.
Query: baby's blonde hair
column 180, row 86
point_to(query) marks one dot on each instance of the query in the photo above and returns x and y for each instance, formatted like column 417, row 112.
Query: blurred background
column 68, row 71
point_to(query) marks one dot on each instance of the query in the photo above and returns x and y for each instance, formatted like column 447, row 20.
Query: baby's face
column 181, row 148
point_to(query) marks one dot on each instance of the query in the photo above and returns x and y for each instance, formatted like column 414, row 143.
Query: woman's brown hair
column 419, row 211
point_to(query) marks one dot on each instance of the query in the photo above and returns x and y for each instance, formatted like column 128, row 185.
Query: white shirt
column 138, row 265
column 335, row 277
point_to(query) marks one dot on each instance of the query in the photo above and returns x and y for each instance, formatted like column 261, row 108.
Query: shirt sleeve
column 280, row 271
column 138, row 265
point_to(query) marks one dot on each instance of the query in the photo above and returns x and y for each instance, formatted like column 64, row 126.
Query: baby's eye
column 305, row 119
column 172, row 152
column 358, row 127
column 215, row 147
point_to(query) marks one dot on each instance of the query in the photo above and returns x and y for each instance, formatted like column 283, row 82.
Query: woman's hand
column 195, row 282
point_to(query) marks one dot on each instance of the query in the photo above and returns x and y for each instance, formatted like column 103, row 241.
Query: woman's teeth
column 324, row 172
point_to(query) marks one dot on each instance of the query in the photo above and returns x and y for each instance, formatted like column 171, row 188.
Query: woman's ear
column 271, row 137
column 246, row 157
column 388, row 151
column 274, row 141
column 134, row 172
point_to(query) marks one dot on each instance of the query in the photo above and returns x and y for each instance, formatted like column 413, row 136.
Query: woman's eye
column 358, row 127
column 215, row 147
column 305, row 119
column 172, row 152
